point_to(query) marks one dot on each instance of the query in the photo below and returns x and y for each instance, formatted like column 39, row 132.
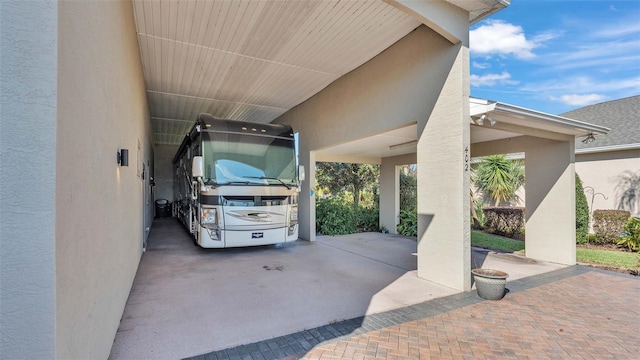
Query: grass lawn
column 488, row 241
column 614, row 259
column 619, row 259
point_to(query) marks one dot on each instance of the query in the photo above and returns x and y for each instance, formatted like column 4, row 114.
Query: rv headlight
column 294, row 214
column 209, row 216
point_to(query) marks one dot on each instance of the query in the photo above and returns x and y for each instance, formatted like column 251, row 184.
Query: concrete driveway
column 187, row 301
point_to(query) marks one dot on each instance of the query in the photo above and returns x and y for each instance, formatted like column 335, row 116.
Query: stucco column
column 550, row 230
column 444, row 253
column 28, row 106
column 307, row 198
column 389, row 195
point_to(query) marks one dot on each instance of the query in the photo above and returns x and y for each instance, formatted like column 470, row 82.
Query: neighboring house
column 609, row 165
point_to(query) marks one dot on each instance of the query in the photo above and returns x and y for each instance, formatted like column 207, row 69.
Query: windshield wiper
column 216, row 184
column 269, row 178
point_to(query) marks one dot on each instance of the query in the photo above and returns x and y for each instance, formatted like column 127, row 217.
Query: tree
column 582, row 213
column 338, row 177
column 500, row 178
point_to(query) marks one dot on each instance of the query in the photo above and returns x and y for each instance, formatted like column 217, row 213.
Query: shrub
column 335, row 217
column 631, row 238
column 408, row 191
column 582, row 213
column 338, row 216
column 505, row 221
column 609, row 224
column 368, row 219
column 408, row 225
column 478, row 204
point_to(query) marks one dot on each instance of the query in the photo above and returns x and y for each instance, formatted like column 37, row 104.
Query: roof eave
column 494, row 8
column 552, row 119
column 600, row 149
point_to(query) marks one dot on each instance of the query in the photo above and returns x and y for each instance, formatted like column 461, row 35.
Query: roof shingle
column 622, row 116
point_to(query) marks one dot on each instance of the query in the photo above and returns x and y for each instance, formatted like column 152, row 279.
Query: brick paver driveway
column 574, row 313
column 589, row 316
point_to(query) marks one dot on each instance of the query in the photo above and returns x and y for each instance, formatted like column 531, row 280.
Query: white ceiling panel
column 182, row 107
column 252, row 60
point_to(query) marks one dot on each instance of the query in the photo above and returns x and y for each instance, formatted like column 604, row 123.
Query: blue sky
column 555, row 56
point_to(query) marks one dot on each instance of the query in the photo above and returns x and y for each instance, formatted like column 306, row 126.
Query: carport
column 88, row 80
column 337, row 72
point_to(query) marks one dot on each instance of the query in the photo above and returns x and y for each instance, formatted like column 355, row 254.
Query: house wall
column 100, row 206
column 27, row 178
column 606, row 172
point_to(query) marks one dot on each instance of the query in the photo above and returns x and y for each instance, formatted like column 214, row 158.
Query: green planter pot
column 490, row 284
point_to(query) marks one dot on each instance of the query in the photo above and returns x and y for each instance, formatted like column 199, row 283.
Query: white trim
column 557, row 120
column 608, row 148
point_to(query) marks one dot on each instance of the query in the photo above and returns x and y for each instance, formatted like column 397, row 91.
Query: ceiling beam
column 444, row 18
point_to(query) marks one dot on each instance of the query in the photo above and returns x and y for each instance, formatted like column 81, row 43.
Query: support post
column 550, row 212
column 444, row 252
column 307, row 198
column 389, row 195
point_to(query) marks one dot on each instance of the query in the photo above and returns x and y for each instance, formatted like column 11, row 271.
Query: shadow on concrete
column 187, row 301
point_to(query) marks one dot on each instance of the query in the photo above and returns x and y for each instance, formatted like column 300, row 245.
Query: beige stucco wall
column 444, row 248
column 99, row 205
column 550, row 210
column 396, row 88
column 605, row 173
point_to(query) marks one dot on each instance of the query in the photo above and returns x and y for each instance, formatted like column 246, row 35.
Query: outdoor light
column 588, row 139
column 480, row 121
column 403, row 145
column 123, row 157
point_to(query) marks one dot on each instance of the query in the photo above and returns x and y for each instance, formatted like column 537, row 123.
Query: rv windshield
column 237, row 159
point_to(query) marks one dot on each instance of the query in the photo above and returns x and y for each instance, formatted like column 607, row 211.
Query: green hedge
column 608, row 225
column 337, row 216
column 505, row 221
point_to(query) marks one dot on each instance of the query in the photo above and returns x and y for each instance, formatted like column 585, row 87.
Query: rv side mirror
column 301, row 174
column 197, row 167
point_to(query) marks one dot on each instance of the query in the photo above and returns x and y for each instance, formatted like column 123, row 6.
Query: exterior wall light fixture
column 480, row 121
column 123, row 157
column 589, row 139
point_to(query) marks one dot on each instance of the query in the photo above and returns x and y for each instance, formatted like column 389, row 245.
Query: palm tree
column 499, row 177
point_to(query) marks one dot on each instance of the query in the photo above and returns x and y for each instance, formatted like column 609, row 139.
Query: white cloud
column 477, row 65
column 578, row 84
column 579, row 100
column 619, row 29
column 491, row 79
column 497, row 37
